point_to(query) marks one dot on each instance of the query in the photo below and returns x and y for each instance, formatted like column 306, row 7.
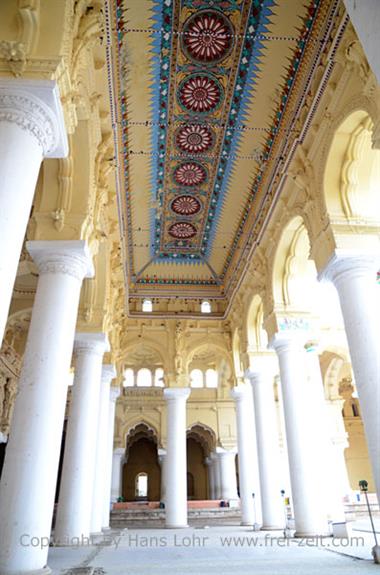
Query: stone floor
column 225, row 550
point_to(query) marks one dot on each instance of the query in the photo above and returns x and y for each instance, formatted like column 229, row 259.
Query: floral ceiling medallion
column 200, row 93
column 186, row 205
column 190, row 174
column 182, row 230
column 194, row 139
column 207, row 37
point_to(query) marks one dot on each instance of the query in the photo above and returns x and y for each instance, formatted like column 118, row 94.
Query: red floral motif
column 199, row 93
column 194, row 139
column 207, row 37
column 190, row 174
column 186, row 205
column 182, row 230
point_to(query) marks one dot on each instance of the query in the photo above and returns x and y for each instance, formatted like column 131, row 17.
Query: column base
column 376, row 554
column 272, row 528
column 246, row 523
column 106, row 529
column 96, row 535
column 169, row 526
column 300, row 534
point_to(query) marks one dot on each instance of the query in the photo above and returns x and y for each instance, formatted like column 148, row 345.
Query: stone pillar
column 118, row 460
column 354, row 277
column 216, row 468
column 31, row 128
column 211, row 477
column 261, row 376
column 114, row 394
column 98, row 495
column 302, row 431
column 334, row 495
column 176, row 484
column 30, row 470
column 228, row 481
column 244, row 420
column 75, row 496
column 162, row 462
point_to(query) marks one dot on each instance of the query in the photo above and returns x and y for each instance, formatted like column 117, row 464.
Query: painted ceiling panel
column 200, row 88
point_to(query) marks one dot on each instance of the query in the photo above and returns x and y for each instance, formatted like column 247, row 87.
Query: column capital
column 161, row 454
column 350, row 264
column 239, row 392
column 208, row 461
column 288, row 340
column 262, row 364
column 176, row 393
column 91, row 342
column 71, row 257
column 221, row 452
column 114, row 393
column 108, row 372
column 34, row 105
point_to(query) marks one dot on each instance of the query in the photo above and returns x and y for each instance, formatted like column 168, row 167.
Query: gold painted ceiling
column 204, row 95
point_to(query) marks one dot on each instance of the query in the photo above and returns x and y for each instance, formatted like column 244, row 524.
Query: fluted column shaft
column 114, row 394
column 211, row 477
column 162, row 462
column 228, row 479
column 244, row 422
column 75, row 496
column 261, row 376
column 98, row 495
column 28, row 482
column 118, row 460
column 354, row 276
column 301, row 424
column 176, row 478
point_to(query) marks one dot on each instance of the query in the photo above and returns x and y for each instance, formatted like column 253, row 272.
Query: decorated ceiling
column 200, row 91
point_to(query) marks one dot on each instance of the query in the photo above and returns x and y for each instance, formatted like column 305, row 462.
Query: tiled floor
column 224, row 550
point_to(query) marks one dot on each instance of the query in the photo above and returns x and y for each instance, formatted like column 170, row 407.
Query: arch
column 211, row 378
column 142, row 427
column 144, row 377
column 204, row 435
column 293, row 274
column 352, row 171
column 256, row 335
column 204, row 345
column 196, row 378
column 140, row 353
column 141, row 485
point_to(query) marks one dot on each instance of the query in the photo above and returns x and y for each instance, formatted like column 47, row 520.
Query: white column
column 114, row 394
column 31, row 128
column 355, row 280
column 29, row 476
column 228, row 481
column 339, row 438
column 302, row 430
column 118, row 460
column 215, row 461
column 108, row 373
column 162, row 462
column 334, row 496
column 211, row 477
column 261, row 376
column 176, row 484
column 244, row 421
column 75, row 496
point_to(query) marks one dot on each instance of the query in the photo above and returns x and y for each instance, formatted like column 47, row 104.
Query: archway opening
column 141, row 486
